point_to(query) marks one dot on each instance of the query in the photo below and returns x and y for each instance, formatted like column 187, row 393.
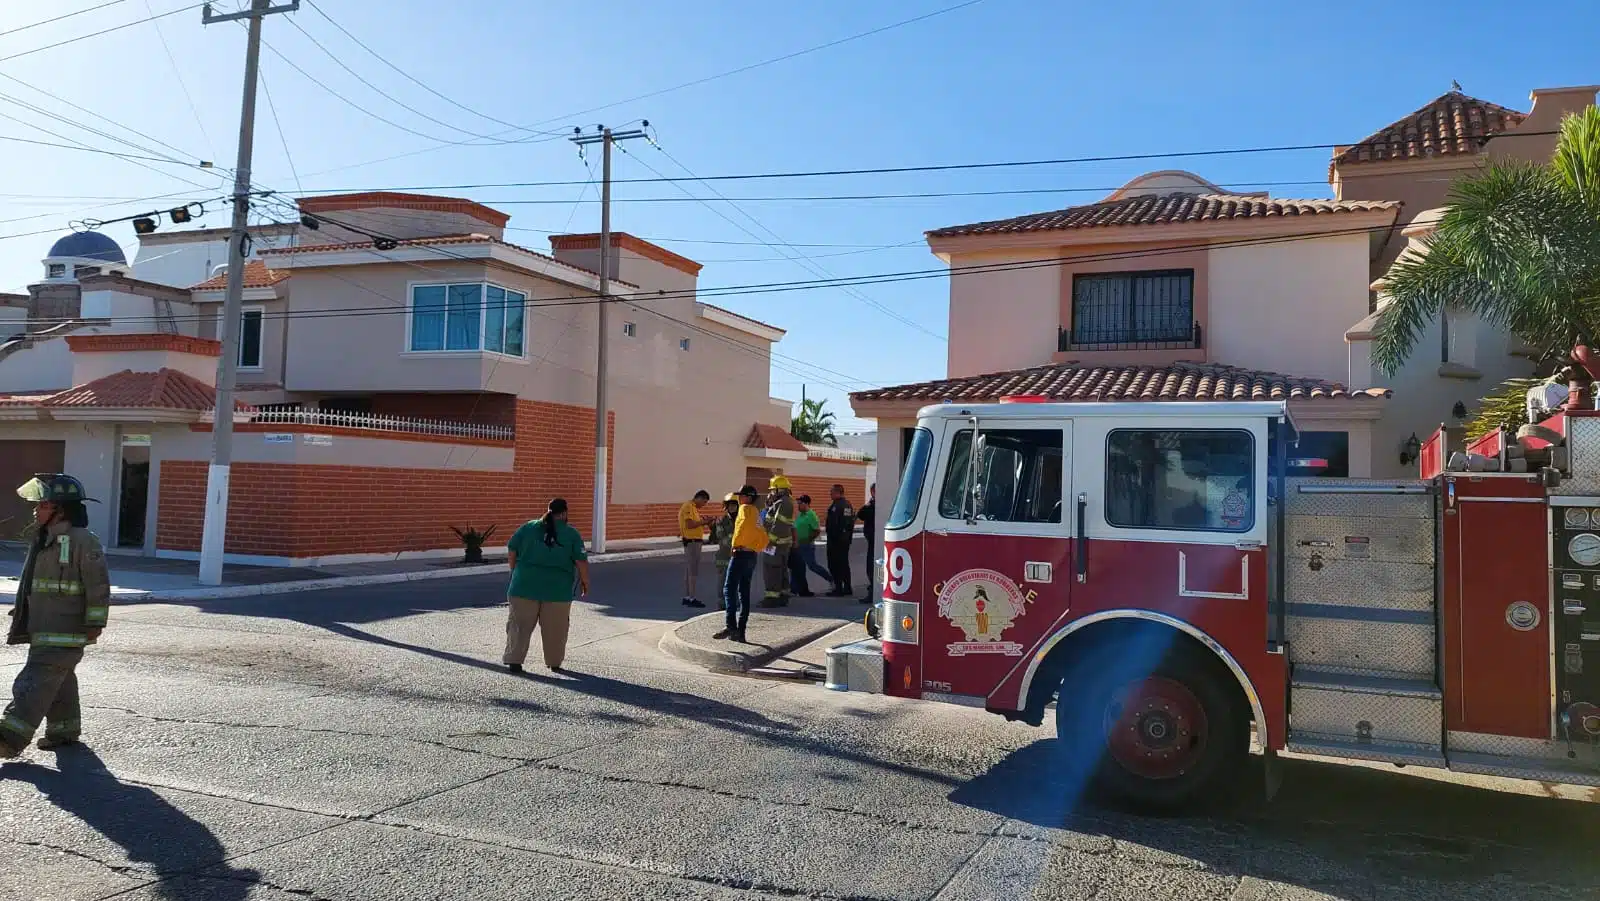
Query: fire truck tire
column 1157, row 741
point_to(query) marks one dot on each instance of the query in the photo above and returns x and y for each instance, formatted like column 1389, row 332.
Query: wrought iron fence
column 1130, row 339
column 382, row 423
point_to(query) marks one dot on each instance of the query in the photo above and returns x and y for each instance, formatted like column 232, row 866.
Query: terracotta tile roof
column 433, row 241
column 1163, row 209
column 256, row 275
column 772, row 437
column 1077, row 382
column 23, row 400
column 165, row 389
column 1451, row 123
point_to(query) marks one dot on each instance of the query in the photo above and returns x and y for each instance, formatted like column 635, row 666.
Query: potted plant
column 473, row 541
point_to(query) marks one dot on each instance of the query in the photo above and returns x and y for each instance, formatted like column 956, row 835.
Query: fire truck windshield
column 916, row 468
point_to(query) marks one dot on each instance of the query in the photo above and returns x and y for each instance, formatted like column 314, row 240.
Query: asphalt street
column 366, row 744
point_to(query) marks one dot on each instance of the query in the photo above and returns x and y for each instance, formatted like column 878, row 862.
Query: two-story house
column 403, row 368
column 1169, row 289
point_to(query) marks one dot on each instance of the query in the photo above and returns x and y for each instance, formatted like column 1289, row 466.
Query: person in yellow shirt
column 692, row 530
column 749, row 540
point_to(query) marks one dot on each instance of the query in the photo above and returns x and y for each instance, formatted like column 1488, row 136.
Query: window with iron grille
column 1134, row 308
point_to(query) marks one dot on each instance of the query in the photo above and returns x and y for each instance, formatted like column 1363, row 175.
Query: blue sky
column 994, row 80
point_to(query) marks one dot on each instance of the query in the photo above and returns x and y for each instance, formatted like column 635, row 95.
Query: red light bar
column 1024, row 399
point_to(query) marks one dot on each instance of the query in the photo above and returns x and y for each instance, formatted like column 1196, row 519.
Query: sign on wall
column 319, row 440
column 278, row 438
column 135, row 440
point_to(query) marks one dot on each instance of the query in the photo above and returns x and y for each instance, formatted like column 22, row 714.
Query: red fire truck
column 1151, row 571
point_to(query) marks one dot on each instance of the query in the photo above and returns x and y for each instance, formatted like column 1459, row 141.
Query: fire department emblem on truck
column 982, row 603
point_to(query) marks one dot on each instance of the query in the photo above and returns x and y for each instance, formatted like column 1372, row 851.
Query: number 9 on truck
column 899, row 571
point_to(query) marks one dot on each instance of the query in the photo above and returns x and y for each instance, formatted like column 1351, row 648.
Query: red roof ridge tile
column 772, row 437
column 1452, row 123
column 167, row 389
column 256, row 275
column 1173, row 207
column 1074, row 381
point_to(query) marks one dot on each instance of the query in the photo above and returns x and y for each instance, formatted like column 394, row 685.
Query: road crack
column 119, row 869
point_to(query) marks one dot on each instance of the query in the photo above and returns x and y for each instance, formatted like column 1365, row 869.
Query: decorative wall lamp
column 1410, row 450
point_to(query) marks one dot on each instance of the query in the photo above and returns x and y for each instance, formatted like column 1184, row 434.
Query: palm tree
column 814, row 425
column 1520, row 247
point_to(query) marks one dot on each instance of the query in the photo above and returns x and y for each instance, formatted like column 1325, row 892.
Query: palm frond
column 1505, row 406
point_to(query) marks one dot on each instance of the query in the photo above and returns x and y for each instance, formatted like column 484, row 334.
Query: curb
column 245, row 591
column 731, row 661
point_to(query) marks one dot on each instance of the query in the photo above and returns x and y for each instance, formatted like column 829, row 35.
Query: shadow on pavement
column 150, row 830
column 748, row 723
column 1331, row 825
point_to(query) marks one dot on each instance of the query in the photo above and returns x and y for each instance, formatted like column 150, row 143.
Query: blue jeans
column 805, row 557
column 736, row 591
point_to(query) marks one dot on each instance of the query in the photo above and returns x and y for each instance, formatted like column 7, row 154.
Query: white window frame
column 261, row 341
column 483, row 320
column 630, row 330
column 683, row 344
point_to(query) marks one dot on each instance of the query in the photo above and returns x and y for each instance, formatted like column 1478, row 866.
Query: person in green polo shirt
column 804, row 555
column 547, row 558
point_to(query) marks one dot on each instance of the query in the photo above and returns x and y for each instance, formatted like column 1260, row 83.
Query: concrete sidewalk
column 773, row 633
column 136, row 578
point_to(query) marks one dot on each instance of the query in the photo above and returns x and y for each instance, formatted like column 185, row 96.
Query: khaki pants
column 45, row 689
column 552, row 619
column 691, row 568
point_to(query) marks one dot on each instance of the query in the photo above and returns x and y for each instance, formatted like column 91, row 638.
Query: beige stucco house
column 1169, row 289
column 403, row 369
column 1415, row 160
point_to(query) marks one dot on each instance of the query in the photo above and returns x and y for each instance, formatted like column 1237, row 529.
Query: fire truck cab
column 1147, row 570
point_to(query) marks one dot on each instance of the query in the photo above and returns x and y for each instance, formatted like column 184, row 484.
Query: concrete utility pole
column 605, row 137
column 214, row 534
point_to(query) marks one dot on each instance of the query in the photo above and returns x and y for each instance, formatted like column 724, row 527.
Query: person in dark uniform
column 868, row 514
column 840, row 528
column 62, row 601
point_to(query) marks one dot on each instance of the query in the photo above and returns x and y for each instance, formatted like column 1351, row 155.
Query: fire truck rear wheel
column 1159, row 741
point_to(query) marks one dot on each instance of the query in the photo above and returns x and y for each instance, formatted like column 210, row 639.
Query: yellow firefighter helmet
column 780, row 482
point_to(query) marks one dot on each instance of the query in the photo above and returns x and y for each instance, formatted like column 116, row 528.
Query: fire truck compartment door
column 997, row 562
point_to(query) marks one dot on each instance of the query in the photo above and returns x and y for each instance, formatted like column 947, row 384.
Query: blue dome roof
column 89, row 246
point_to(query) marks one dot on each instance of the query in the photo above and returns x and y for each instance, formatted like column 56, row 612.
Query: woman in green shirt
column 547, row 558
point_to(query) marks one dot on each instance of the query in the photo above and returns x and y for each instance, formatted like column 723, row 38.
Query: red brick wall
column 625, row 521
column 855, row 490
column 299, row 510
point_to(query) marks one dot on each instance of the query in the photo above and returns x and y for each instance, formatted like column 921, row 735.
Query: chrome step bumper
column 857, row 666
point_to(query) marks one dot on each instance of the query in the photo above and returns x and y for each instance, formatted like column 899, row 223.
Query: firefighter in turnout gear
column 780, row 540
column 62, row 602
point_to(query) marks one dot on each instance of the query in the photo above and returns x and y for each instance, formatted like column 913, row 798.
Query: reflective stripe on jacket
column 65, row 591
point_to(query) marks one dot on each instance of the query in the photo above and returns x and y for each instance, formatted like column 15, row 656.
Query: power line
column 177, row 73
column 810, row 266
column 95, row 34
column 922, row 195
column 420, row 83
column 895, row 170
column 774, row 359
column 82, row 147
column 878, row 278
column 385, row 94
column 80, row 12
column 679, row 87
